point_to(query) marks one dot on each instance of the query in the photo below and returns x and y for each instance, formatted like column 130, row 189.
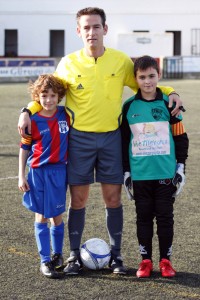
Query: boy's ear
column 159, row 75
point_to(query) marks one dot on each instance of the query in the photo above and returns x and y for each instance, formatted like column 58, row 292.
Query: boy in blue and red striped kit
column 45, row 153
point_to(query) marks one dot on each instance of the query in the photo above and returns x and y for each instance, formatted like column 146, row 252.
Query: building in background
column 47, row 28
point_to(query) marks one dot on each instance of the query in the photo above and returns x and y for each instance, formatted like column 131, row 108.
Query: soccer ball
column 95, row 254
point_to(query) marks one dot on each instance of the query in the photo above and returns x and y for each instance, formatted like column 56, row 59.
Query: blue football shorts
column 48, row 187
column 95, row 157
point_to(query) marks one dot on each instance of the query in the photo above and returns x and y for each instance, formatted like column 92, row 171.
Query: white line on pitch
column 7, row 178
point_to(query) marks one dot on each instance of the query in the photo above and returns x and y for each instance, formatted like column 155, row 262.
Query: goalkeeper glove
column 128, row 185
column 179, row 179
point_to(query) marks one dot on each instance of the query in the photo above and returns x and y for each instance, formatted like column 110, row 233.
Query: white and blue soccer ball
column 95, row 254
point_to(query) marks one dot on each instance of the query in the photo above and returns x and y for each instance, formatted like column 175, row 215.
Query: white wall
column 115, row 6
column 34, row 19
column 155, row 44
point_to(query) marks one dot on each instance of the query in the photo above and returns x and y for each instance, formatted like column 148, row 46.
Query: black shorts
column 154, row 199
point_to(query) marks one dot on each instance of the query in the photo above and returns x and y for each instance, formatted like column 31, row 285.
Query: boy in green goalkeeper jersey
column 155, row 148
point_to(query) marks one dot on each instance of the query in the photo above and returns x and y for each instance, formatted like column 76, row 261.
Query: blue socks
column 42, row 236
column 57, row 238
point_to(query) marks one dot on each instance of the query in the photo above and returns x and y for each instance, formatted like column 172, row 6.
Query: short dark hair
column 92, row 11
column 145, row 62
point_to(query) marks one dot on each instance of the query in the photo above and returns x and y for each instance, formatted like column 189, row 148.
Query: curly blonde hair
column 45, row 82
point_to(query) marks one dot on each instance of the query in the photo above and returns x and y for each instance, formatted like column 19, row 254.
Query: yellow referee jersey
column 95, row 87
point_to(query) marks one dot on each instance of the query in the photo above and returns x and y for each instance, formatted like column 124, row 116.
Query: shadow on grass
column 191, row 280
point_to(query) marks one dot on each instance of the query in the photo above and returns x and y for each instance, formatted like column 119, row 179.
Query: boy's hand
column 128, row 185
column 179, row 179
column 23, row 123
column 179, row 104
column 23, row 185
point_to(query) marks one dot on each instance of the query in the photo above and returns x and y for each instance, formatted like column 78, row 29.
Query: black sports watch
column 25, row 109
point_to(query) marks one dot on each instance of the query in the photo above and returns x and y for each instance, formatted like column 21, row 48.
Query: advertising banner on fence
column 26, row 67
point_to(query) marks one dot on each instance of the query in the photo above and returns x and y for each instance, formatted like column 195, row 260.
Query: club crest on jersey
column 63, row 127
column 156, row 113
